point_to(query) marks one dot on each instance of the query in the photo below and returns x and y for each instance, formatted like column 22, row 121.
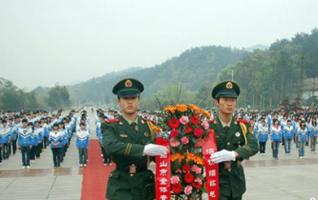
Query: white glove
column 155, row 150
column 223, row 155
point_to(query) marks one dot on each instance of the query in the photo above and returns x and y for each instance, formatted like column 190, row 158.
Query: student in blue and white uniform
column 45, row 132
column 38, row 132
column 24, row 142
column 34, row 141
column 56, row 143
column 282, row 122
column 308, row 126
column 106, row 157
column 14, row 135
column 313, row 133
column 5, row 133
column 82, row 138
column 276, row 137
column 64, row 139
column 302, row 135
column 262, row 136
column 288, row 135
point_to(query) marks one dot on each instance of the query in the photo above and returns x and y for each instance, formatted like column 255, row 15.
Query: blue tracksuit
column 288, row 134
column 24, row 136
column 276, row 137
column 302, row 135
column 82, row 139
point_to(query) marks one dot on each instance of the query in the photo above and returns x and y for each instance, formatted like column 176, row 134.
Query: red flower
column 197, row 184
column 174, row 123
column 186, row 168
column 194, row 120
column 198, row 132
column 177, row 188
column 188, row 178
column 199, row 143
column 174, row 133
column 188, row 129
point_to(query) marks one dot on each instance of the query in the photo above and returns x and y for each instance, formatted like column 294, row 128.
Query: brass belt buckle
column 132, row 169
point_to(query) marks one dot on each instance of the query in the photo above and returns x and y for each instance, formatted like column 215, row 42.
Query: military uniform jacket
column 125, row 143
column 237, row 137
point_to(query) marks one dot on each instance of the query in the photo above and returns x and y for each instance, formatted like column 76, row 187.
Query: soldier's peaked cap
column 226, row 89
column 128, row 87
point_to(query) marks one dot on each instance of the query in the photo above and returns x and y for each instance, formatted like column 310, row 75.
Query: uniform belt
column 130, row 169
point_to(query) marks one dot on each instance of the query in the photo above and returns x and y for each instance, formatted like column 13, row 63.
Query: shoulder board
column 112, row 121
column 153, row 126
column 153, row 129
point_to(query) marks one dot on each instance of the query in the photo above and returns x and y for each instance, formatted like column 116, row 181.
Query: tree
column 203, row 96
column 59, row 97
column 14, row 99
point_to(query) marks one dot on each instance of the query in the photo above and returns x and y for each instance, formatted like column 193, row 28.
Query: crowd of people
column 31, row 132
column 296, row 128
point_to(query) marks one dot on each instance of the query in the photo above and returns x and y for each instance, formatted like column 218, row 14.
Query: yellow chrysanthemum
column 170, row 109
column 192, row 157
column 181, row 107
column 195, row 108
column 177, row 156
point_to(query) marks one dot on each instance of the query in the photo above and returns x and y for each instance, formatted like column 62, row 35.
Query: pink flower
column 197, row 184
column 199, row 143
column 174, row 133
column 188, row 190
column 198, row 132
column 196, row 169
column 198, row 180
column 184, row 140
column 174, row 180
column 174, row 142
column 205, row 125
column 184, row 120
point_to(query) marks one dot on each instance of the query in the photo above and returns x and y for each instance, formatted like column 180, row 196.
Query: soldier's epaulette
column 153, row 129
column 244, row 130
column 153, row 126
column 112, row 121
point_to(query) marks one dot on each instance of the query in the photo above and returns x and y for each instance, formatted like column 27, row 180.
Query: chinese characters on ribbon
column 163, row 172
column 211, row 169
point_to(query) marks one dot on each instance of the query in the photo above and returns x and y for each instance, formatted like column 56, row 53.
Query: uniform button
column 228, row 143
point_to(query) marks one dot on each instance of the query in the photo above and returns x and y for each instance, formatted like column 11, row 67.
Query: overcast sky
column 47, row 41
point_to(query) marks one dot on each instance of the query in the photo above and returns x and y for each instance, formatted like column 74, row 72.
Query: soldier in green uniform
column 235, row 142
column 128, row 140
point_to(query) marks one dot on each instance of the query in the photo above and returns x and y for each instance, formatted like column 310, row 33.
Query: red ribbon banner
column 163, row 172
column 211, row 169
